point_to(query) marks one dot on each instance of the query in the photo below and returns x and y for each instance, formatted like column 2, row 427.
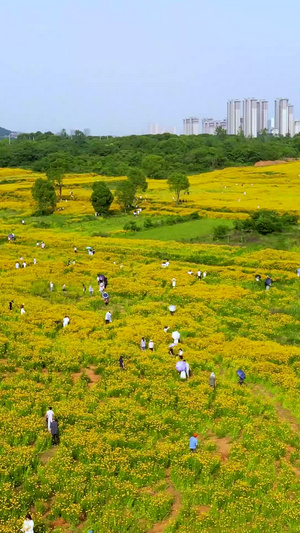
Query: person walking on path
column 10, row 305
column 54, row 431
column 187, row 369
column 173, row 283
column 83, row 288
column 193, row 443
column 212, row 380
column 49, row 418
column 17, row 264
column 199, row 274
column 108, row 318
column 121, row 362
column 268, row 283
column 151, row 345
column 204, row 274
column 51, row 286
column 23, row 310
column 143, row 343
column 91, row 290
column 28, row 524
column 43, row 245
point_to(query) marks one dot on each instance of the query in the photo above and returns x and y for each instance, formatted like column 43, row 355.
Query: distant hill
column 4, row 132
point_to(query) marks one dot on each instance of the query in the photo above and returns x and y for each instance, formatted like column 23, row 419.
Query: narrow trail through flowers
column 159, row 527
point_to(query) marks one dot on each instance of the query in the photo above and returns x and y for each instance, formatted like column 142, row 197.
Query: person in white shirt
column 17, row 264
column 91, row 290
column 49, row 417
column 173, row 283
column 34, row 261
column 108, row 317
column 24, row 264
column 75, row 249
column 51, row 286
column 43, row 245
column 143, row 343
column 22, row 310
column 180, row 351
column 199, row 274
column 190, row 272
column 28, row 524
column 204, row 274
column 66, row 321
column 151, row 345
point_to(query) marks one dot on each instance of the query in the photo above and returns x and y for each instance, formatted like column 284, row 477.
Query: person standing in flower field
column 199, row 274
column 23, row 310
column 108, row 318
column 173, row 283
column 121, row 362
column 66, row 321
column 49, row 418
column 83, row 288
column 28, row 524
column 268, row 283
column 51, row 286
column 143, row 343
column 91, row 290
column 204, row 274
column 17, row 264
column 151, row 345
column 212, row 380
column 54, row 431
column 43, row 245
column 10, row 305
column 193, row 443
column 298, row 272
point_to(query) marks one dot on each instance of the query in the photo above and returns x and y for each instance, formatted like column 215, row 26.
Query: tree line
column 155, row 155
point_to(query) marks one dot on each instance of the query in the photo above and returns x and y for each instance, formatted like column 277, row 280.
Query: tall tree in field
column 178, row 182
column 56, row 174
column 137, row 177
column 43, row 193
column 101, row 197
column 125, row 194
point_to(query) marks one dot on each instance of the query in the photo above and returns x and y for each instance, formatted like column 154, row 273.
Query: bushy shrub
column 266, row 222
column 220, row 232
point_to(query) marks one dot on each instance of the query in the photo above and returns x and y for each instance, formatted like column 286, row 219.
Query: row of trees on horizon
column 156, row 155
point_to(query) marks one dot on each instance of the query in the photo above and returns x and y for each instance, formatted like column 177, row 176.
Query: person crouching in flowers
column 28, row 524
column 193, row 443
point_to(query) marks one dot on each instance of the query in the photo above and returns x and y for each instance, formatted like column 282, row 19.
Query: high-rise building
column 291, row 119
column 262, row 115
column 87, row 132
column 250, row 117
column 297, row 127
column 282, row 116
column 233, row 117
column 191, row 126
column 255, row 116
column 209, row 125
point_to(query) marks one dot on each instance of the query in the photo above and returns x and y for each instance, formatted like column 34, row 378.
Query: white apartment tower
column 291, row 120
column 209, row 125
column 255, row 116
column 233, row 117
column 282, row 116
column 191, row 126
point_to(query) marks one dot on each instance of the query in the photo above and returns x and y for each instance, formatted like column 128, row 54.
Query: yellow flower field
column 123, row 462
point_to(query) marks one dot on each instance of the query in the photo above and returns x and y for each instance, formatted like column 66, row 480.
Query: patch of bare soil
column 276, row 162
column 90, row 373
column 203, row 509
column 159, row 527
column 47, row 455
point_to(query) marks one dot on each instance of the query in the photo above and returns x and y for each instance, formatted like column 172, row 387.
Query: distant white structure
column 191, row 126
column 291, row 120
column 209, row 125
column 284, row 117
column 234, row 116
column 87, row 132
column 297, row 127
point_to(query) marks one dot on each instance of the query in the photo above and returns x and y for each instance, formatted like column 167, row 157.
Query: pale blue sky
column 116, row 66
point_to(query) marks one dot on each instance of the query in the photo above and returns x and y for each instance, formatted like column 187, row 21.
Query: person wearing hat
column 193, row 443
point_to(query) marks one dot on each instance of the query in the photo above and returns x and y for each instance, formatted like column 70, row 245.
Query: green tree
column 178, row 182
column 137, row 177
column 101, row 197
column 125, row 194
column 43, row 193
column 154, row 167
column 56, row 174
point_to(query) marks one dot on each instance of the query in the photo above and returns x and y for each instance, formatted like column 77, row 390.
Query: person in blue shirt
column 193, row 442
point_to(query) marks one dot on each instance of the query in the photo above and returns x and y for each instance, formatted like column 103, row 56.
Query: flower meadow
column 123, row 462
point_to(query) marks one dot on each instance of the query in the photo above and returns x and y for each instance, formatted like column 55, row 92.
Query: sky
column 116, row 66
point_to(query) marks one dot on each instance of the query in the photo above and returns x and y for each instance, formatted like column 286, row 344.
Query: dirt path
column 159, row 527
column 47, row 455
column 90, row 373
